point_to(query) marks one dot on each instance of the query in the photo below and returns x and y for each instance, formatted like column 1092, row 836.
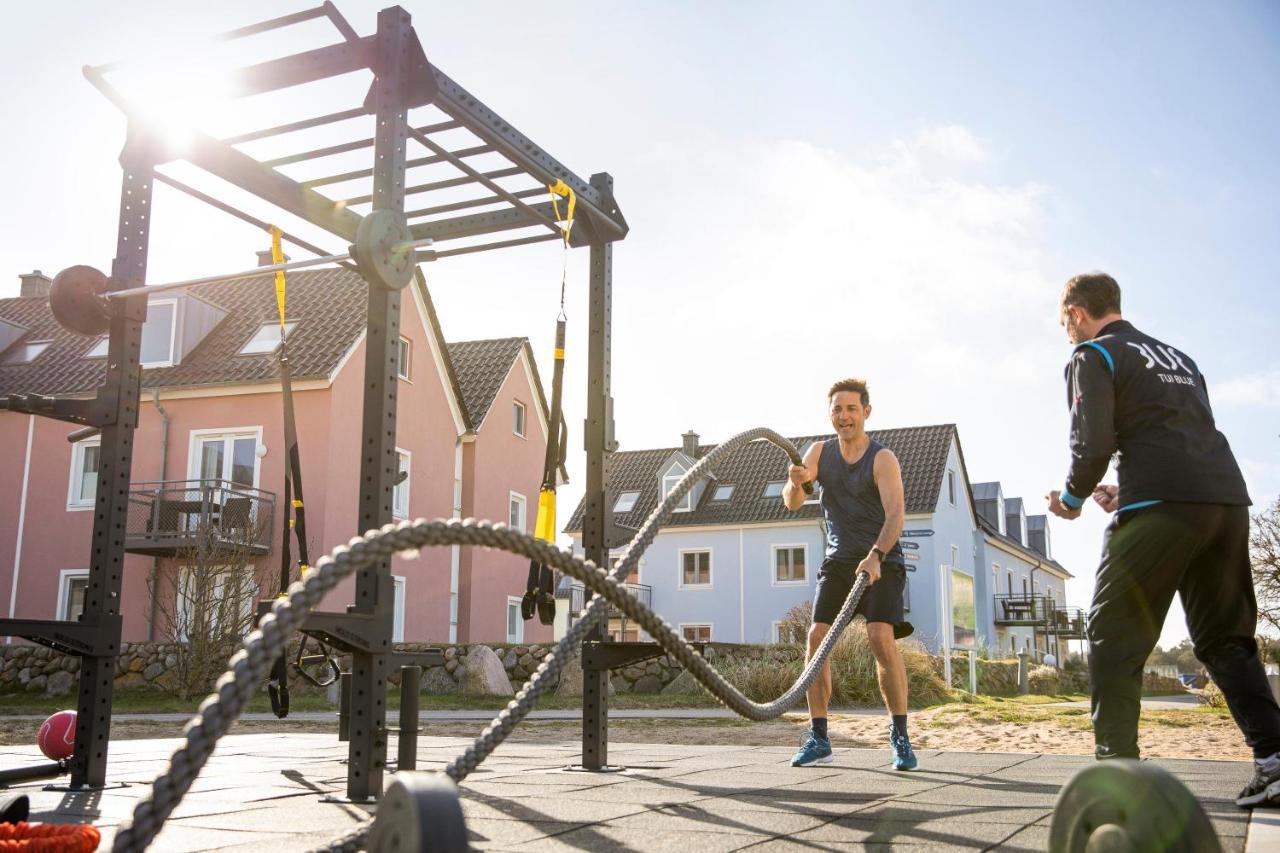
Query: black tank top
column 851, row 504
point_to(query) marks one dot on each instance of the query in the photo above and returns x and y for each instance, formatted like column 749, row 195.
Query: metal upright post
column 111, row 504
column 367, row 751
column 598, row 441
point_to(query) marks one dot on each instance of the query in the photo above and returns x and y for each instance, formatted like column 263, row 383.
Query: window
column 723, row 493
column 84, row 473
column 397, row 618
column 400, row 492
column 696, row 633
column 791, row 634
column 774, row 490
column 230, row 456
column 951, row 487
column 402, row 358
column 517, row 418
column 955, row 556
column 669, row 481
column 516, row 515
column 99, row 350
column 695, row 568
column 906, row 593
column 72, row 585
column 626, row 502
column 267, row 338
column 789, row 564
column 1011, row 581
column 158, row 333
column 816, row 496
column 217, row 599
column 515, row 623
column 27, row 352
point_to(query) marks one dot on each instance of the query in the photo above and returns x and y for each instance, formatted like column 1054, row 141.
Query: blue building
column 733, row 560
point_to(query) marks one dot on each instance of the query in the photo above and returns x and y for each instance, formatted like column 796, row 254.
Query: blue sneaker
column 904, row 758
column 813, row 750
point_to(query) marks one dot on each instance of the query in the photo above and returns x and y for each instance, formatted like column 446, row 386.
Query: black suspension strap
column 540, row 593
column 295, row 513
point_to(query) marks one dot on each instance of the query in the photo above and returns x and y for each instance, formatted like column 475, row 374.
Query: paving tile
column 720, row 816
column 607, row 839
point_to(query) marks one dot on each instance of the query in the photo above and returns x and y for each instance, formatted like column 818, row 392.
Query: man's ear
column 866, row 411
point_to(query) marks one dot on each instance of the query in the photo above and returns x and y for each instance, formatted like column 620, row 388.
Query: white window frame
column 44, row 347
column 103, row 343
column 397, row 610
column 518, row 636
column 173, row 334
column 669, row 481
column 247, row 606
column 289, row 326
column 631, row 493
column 65, row 577
column 400, row 492
column 710, row 626
column 519, row 419
column 78, row 502
column 514, row 498
column 951, row 486
column 404, row 355
column 781, row 484
column 715, row 496
column 773, row 564
column 680, row 584
column 198, row 435
column 814, row 498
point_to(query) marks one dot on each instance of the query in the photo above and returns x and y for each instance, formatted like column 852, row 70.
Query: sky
column 892, row 191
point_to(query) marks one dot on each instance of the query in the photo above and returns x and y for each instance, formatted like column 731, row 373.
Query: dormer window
column 669, row 481
column 159, row 333
column 25, row 353
column 774, row 490
column 267, row 338
column 626, row 502
column 723, row 493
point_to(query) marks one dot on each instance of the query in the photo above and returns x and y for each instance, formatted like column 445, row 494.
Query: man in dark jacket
column 1181, row 525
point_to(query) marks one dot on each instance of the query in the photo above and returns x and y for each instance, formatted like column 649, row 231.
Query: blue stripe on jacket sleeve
column 1111, row 365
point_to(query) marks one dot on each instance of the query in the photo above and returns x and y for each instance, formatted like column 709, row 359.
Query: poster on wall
column 964, row 622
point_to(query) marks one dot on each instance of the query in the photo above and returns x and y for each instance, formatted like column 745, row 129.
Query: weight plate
column 419, row 812
column 75, row 298
column 1129, row 805
column 382, row 252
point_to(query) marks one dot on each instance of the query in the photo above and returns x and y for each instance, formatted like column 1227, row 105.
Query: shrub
column 1044, row 681
column 1212, row 695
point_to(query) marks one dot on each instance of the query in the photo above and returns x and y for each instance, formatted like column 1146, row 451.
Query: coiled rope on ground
column 249, row 666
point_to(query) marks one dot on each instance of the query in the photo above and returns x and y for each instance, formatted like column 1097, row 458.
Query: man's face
column 1070, row 319
column 848, row 414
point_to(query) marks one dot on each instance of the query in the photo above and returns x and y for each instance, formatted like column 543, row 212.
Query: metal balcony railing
column 618, row 627
column 170, row 517
column 1068, row 623
column 1019, row 609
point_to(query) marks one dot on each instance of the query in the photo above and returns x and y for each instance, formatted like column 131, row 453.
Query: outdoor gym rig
column 386, row 244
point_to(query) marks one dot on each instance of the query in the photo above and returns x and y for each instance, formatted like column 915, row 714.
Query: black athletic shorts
column 881, row 602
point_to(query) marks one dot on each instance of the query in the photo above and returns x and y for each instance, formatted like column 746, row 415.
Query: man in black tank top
column 862, row 502
column 1181, row 525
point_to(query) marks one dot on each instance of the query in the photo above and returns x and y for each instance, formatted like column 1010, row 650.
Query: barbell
column 384, row 252
column 1123, row 806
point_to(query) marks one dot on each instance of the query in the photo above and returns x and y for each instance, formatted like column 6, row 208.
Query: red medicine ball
column 57, row 737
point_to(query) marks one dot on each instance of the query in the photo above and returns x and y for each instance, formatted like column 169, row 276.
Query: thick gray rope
column 249, row 666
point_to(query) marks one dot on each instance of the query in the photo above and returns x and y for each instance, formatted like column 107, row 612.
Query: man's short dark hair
column 858, row 386
column 1095, row 292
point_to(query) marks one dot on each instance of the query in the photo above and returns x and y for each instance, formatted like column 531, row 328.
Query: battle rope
column 23, row 837
column 220, row 709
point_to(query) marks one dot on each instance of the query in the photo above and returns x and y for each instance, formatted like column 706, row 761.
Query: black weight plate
column 1111, row 802
column 419, row 812
column 75, row 298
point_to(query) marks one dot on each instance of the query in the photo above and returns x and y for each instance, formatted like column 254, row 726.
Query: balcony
column 1068, row 623
column 620, row 629
column 1019, row 609
column 211, row 517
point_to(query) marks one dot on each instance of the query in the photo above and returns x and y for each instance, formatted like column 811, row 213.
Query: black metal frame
column 403, row 79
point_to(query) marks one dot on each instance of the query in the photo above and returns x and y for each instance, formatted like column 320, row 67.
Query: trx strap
column 540, row 594
column 295, row 525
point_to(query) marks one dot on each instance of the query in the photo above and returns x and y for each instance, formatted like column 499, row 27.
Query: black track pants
column 1200, row 551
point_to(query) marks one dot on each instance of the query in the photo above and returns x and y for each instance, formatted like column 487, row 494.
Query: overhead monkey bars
column 403, row 80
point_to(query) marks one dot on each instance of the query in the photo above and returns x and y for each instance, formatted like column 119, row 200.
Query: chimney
column 689, row 444
column 264, row 258
column 34, row 283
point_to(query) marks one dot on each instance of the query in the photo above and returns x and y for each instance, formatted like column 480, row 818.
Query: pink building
column 209, row 450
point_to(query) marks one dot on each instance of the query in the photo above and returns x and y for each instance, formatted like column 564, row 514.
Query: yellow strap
column 560, row 188
column 545, row 528
column 277, row 257
column 297, row 504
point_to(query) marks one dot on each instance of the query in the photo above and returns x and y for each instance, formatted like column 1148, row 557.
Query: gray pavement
column 1180, row 702
column 262, row 792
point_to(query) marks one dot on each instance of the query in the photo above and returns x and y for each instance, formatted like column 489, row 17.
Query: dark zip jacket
column 1140, row 398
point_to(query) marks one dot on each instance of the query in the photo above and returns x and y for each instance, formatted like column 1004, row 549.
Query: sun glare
column 177, row 95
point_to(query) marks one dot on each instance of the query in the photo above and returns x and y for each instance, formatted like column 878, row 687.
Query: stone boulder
column 60, row 683
column 483, row 674
column 436, row 681
column 685, row 684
